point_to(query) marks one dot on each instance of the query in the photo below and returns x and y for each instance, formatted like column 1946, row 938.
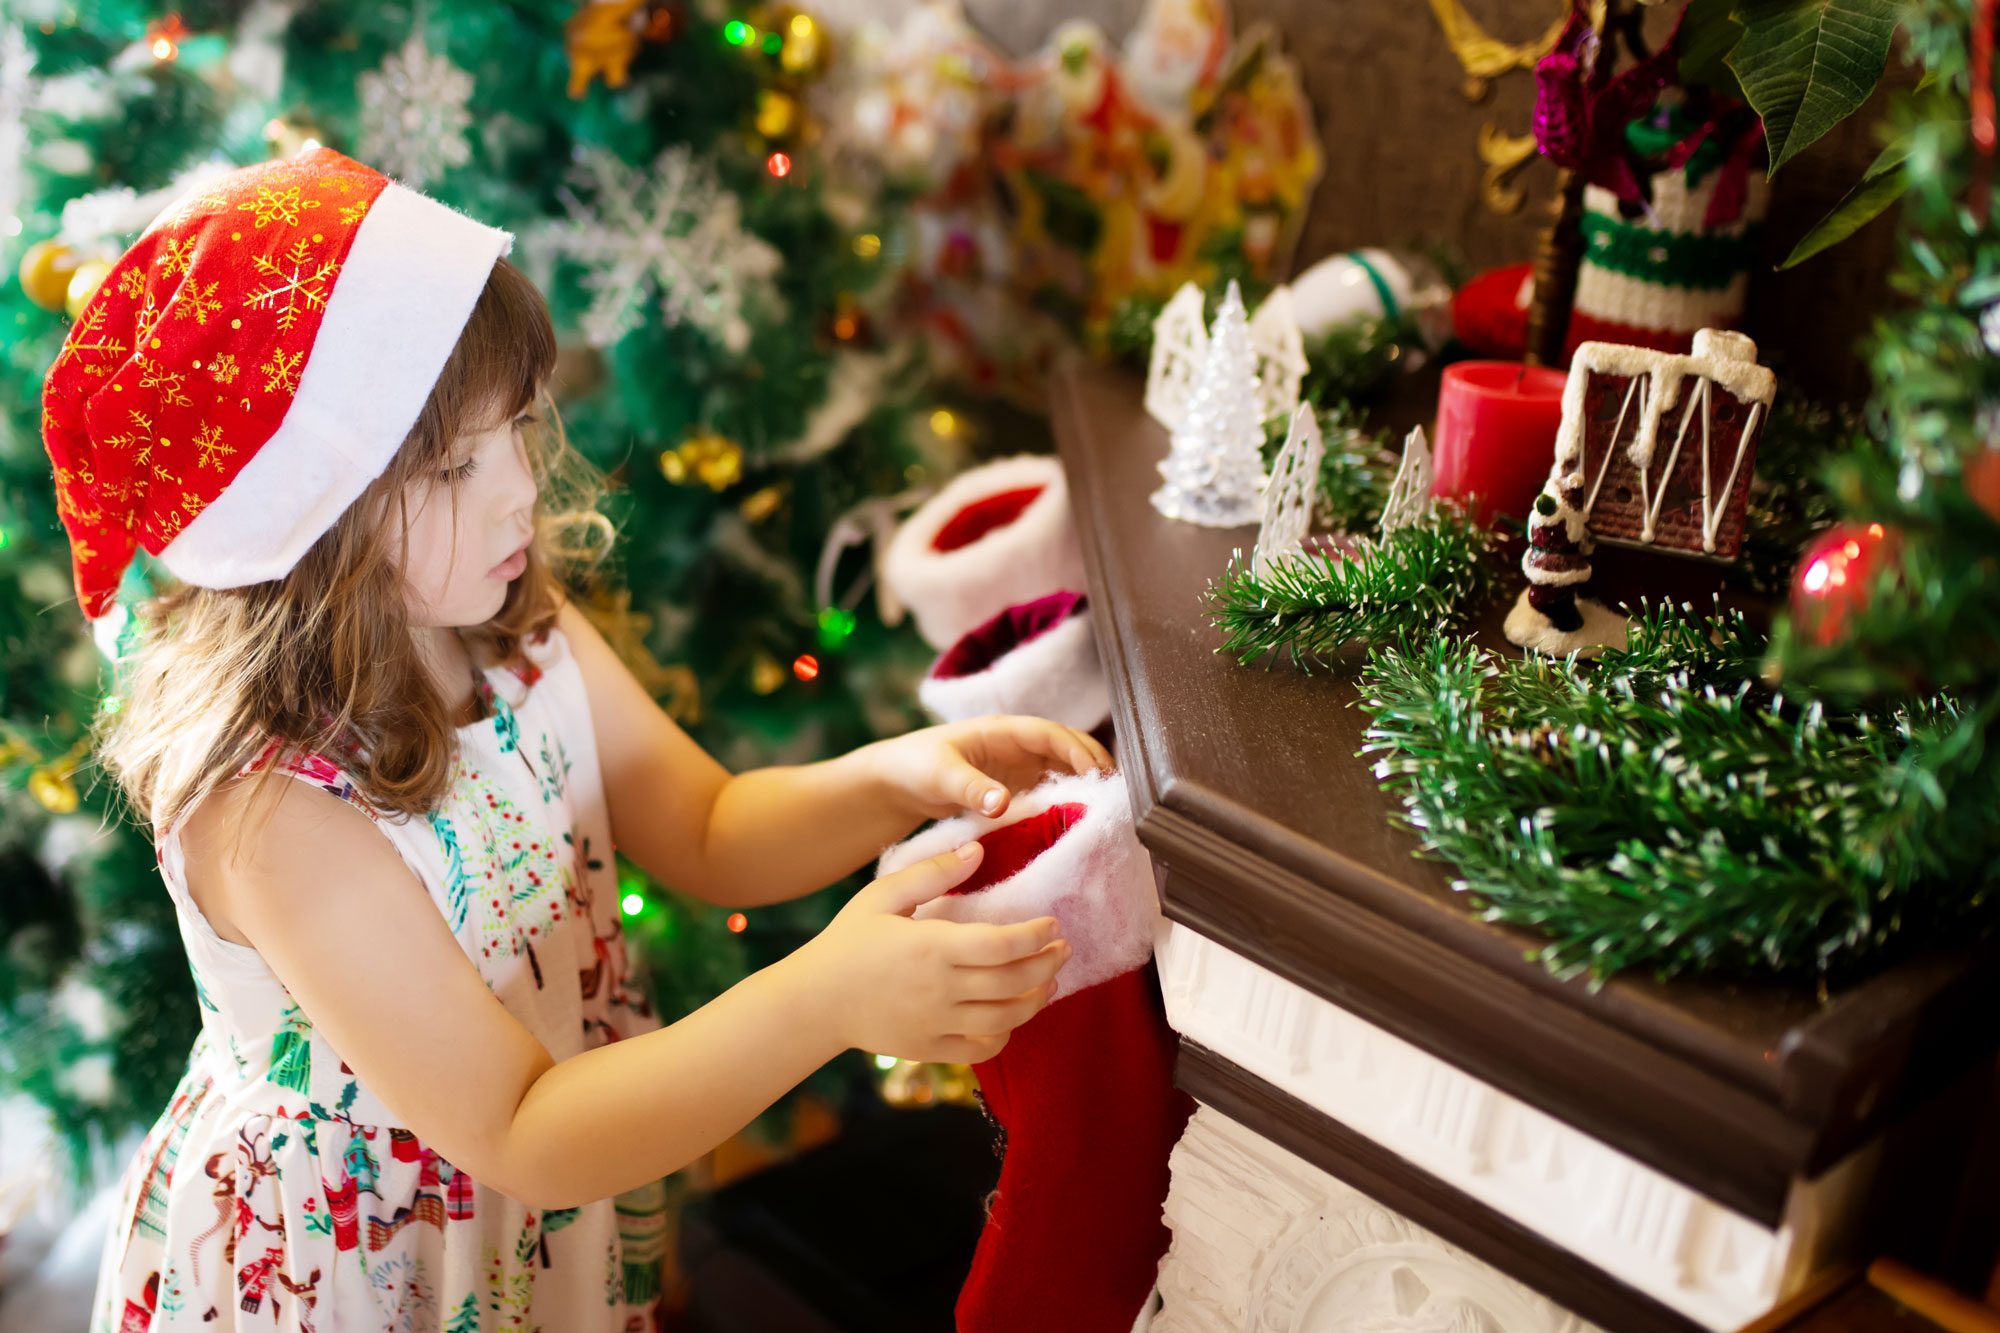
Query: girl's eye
column 461, row 472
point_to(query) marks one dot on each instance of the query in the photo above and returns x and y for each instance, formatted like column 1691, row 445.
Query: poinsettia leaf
column 1881, row 185
column 1709, row 31
column 1806, row 65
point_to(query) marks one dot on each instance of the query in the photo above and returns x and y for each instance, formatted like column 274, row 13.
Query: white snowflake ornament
column 673, row 231
column 414, row 115
column 1179, row 343
column 1409, row 499
column 1281, row 354
column 1293, row 489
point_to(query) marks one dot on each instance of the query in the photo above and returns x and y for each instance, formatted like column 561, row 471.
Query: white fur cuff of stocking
column 1055, row 675
column 951, row 591
column 1097, row 879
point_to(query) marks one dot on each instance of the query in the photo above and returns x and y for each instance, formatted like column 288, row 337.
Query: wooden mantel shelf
column 1278, row 842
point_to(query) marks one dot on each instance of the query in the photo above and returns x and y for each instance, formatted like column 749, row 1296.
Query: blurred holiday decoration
column 1410, row 501
column 1373, row 286
column 993, row 536
column 1281, row 356
column 603, row 37
column 666, row 242
column 414, row 115
column 1214, row 468
column 1655, row 449
column 1056, row 189
column 1485, row 59
column 1084, row 1089
column 1837, row 576
column 1037, row 658
column 1290, row 495
column 1180, row 342
column 914, row 1084
column 698, row 301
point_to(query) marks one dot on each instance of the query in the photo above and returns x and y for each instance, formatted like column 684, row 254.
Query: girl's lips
column 512, row 567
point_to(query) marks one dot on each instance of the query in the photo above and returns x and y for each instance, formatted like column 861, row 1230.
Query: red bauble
column 1836, row 577
column 1982, row 480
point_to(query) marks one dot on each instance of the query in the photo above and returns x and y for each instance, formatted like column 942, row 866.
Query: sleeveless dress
column 277, row 1192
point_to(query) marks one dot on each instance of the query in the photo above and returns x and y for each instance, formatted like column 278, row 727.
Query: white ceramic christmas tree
column 1215, row 465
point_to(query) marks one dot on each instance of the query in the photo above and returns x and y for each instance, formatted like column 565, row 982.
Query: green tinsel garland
column 1413, row 582
column 1665, row 809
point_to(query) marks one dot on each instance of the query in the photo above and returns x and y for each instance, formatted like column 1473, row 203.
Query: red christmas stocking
column 1038, row 658
column 993, row 536
column 1085, row 1088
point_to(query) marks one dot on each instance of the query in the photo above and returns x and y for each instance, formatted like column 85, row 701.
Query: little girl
column 429, row 1092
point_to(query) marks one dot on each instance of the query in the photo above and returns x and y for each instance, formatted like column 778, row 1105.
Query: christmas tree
column 1215, row 462
column 713, row 289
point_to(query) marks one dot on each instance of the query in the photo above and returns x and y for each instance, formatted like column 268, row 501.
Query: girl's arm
column 773, row 834
column 372, row 965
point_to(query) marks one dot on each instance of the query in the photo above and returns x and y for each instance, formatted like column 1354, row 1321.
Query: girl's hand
column 944, row 991
column 978, row 764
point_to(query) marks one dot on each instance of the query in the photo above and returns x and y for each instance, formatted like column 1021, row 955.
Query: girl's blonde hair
column 323, row 660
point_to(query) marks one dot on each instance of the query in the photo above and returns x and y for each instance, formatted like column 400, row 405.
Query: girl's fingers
column 994, row 1018
column 1100, row 757
column 981, row 945
column 961, row 782
column 911, row 887
column 1011, row 979
column 964, row 1050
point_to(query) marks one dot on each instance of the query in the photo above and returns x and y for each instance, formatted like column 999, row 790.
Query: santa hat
column 250, row 365
column 1038, row 658
column 996, row 535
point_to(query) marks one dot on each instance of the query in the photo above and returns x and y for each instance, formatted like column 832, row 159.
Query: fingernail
column 991, row 801
column 968, row 851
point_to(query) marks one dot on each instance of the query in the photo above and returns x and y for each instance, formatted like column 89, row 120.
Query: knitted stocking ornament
column 996, row 535
column 1038, row 658
column 1084, row 1089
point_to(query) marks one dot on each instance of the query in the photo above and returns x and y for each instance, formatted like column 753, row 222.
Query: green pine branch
column 1664, row 809
column 1414, row 582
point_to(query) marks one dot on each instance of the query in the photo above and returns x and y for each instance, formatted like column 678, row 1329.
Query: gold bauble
column 777, row 114
column 715, row 460
column 805, row 45
column 761, row 504
column 83, row 284
column 53, row 790
column 767, row 674
column 45, row 273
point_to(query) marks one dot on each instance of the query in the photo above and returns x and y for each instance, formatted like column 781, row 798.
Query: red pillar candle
column 1496, row 434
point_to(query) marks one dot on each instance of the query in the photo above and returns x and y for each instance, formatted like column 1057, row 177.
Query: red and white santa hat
column 250, row 365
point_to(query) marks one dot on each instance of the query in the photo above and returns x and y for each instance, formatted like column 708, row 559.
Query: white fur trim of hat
column 1092, row 875
column 993, row 536
column 1036, row 658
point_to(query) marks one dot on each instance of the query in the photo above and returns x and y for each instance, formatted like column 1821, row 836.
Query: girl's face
column 458, row 574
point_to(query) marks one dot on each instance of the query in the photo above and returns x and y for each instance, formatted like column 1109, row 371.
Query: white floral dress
column 277, row 1192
